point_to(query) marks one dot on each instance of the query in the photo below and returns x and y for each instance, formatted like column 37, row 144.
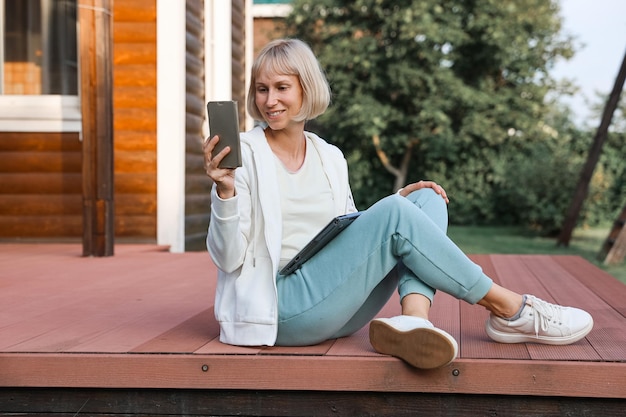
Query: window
column 38, row 57
column 40, row 47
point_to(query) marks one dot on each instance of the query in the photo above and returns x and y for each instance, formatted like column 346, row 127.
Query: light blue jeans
column 399, row 242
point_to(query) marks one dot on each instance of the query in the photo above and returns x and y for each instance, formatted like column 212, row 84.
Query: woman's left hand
column 424, row 184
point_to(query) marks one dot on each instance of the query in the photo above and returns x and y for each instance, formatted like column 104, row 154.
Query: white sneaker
column 541, row 322
column 414, row 340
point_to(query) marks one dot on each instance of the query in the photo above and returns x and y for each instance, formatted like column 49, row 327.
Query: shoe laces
column 544, row 313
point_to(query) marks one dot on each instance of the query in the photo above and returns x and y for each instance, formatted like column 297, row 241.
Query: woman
column 290, row 185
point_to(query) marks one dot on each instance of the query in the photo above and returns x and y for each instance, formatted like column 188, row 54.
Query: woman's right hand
column 224, row 178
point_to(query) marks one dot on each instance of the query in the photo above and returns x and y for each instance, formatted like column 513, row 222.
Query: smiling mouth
column 274, row 113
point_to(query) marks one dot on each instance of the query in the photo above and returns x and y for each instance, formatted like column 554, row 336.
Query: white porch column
column 171, row 124
column 218, row 50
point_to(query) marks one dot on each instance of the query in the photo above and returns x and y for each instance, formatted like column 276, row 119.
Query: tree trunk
column 592, row 159
column 399, row 173
column 614, row 247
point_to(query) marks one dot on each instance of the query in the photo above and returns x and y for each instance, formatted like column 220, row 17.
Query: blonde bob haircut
column 292, row 57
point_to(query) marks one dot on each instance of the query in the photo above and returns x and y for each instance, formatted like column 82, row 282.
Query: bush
column 538, row 187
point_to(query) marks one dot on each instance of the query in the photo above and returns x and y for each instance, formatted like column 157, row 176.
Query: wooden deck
column 135, row 334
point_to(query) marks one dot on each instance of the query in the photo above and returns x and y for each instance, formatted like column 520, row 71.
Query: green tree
column 438, row 89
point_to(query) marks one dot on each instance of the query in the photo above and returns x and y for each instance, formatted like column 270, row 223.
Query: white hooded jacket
column 246, row 250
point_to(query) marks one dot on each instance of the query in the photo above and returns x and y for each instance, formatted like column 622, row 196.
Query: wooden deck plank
column 474, row 342
column 187, row 337
column 518, row 273
column 358, row 344
column 294, row 373
column 572, row 294
column 38, row 283
column 158, row 309
column 608, row 318
column 577, row 294
column 215, row 347
column 445, row 314
column 52, row 280
column 57, row 308
column 92, row 318
column 599, row 281
column 39, row 314
column 314, row 350
column 76, row 327
column 84, row 317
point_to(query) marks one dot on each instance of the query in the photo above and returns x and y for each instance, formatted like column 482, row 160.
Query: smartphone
column 224, row 122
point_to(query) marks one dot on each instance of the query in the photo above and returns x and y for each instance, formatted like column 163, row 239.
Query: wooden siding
column 197, row 184
column 239, row 58
column 40, row 185
column 198, row 187
column 134, row 118
column 40, row 173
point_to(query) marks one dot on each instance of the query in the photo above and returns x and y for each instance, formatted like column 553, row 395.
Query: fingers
column 436, row 188
column 439, row 190
column 425, row 184
column 210, row 142
column 207, row 147
column 212, row 162
column 224, row 178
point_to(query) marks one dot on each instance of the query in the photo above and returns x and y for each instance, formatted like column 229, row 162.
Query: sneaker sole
column 423, row 348
column 503, row 337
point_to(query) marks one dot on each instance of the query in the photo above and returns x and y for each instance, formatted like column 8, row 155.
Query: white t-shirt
column 306, row 202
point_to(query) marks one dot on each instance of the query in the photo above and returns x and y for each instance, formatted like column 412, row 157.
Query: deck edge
column 385, row 374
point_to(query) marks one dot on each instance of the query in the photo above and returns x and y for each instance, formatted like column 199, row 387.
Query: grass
column 510, row 240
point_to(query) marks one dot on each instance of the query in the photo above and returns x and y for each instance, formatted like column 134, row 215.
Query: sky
column 600, row 25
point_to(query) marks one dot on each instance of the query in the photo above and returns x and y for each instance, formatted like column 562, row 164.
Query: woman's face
column 278, row 98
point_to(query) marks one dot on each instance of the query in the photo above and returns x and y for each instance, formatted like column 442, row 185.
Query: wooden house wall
column 40, row 173
column 40, row 185
column 197, row 184
column 239, row 58
column 134, row 118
